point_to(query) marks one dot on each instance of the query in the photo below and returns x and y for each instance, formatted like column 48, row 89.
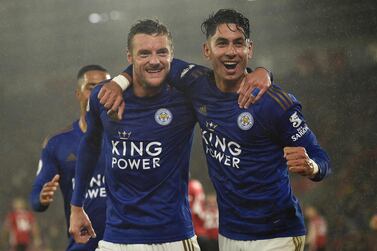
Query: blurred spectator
column 373, row 222
column 205, row 216
column 211, row 223
column 197, row 200
column 21, row 228
column 317, row 230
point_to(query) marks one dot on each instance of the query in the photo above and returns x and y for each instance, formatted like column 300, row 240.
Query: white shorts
column 184, row 245
column 276, row 244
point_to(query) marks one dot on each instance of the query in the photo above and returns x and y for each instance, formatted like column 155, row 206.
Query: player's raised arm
column 80, row 226
column 304, row 155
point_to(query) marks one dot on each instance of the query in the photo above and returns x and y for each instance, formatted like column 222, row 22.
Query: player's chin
column 233, row 77
column 155, row 82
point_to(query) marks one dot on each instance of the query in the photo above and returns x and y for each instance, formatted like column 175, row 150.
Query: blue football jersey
column 59, row 156
column 244, row 151
column 147, row 160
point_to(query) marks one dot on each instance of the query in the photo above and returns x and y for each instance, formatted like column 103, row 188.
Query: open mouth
column 230, row 65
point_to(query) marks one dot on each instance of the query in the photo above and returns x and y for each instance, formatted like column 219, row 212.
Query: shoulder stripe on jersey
column 272, row 95
column 286, row 95
column 283, row 95
column 66, row 129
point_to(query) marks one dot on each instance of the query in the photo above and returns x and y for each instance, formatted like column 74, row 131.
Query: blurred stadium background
column 323, row 51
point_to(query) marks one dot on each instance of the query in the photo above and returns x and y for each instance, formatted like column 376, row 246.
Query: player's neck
column 227, row 85
column 141, row 90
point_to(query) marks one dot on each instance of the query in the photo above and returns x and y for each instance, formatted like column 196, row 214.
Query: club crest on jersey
column 163, row 116
column 295, row 120
column 245, row 121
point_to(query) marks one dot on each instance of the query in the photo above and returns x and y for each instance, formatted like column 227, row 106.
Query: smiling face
column 151, row 56
column 229, row 52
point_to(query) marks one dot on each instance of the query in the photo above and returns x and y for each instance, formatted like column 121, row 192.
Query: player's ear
column 78, row 94
column 206, row 50
column 129, row 57
column 250, row 46
column 171, row 54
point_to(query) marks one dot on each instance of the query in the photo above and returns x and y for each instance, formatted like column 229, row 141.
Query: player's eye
column 144, row 54
column 163, row 52
column 221, row 43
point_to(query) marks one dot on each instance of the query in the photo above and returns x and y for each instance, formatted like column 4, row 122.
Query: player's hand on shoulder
column 299, row 162
column 80, row 226
column 254, row 85
column 46, row 196
column 111, row 97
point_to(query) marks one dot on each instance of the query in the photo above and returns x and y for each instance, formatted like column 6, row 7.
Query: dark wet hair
column 91, row 67
column 226, row 16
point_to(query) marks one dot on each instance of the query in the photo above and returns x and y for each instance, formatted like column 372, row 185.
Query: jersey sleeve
column 184, row 75
column 89, row 149
column 290, row 127
column 296, row 132
column 47, row 168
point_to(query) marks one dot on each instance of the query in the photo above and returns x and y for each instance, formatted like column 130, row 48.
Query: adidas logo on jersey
column 203, row 109
column 71, row 157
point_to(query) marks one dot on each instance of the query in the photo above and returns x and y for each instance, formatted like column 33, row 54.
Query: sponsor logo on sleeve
column 295, row 120
column 301, row 128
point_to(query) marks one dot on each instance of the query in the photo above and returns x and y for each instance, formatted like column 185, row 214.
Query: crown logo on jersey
column 211, row 126
column 124, row 134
